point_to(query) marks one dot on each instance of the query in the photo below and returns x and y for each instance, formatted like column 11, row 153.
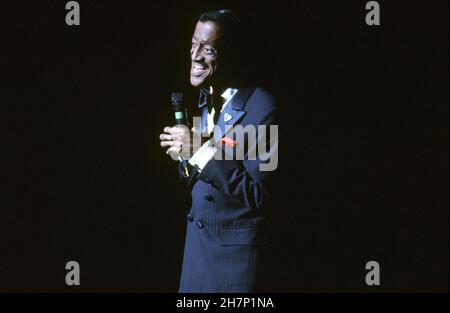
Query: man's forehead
column 208, row 32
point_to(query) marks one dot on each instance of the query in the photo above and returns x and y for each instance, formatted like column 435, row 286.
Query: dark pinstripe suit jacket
column 225, row 235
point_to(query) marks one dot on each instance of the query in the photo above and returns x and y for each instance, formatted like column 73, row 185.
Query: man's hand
column 180, row 142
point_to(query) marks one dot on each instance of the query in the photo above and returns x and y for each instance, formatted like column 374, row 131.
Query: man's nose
column 196, row 54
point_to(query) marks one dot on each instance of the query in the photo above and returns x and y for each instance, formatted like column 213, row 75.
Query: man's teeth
column 198, row 67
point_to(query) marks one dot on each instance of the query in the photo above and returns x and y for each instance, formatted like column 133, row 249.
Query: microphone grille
column 177, row 97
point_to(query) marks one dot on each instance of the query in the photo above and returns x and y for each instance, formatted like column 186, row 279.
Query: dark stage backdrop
column 363, row 158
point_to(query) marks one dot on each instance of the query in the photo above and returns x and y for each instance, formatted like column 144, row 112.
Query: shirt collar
column 228, row 94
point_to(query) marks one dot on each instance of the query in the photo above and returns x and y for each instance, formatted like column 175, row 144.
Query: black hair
column 228, row 21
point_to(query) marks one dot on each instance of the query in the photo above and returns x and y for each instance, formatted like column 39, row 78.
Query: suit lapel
column 233, row 112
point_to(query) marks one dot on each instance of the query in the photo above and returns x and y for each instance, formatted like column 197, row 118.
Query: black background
column 363, row 158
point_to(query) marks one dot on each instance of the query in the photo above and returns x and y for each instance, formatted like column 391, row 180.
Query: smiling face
column 204, row 53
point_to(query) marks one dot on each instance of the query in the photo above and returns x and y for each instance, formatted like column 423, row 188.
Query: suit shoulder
column 262, row 100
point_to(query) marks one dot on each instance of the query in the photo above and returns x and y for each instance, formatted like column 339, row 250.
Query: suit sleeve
column 243, row 180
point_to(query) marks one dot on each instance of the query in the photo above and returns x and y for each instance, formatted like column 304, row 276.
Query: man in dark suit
column 226, row 235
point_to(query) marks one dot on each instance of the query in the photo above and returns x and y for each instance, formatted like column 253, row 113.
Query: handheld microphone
column 180, row 112
column 180, row 119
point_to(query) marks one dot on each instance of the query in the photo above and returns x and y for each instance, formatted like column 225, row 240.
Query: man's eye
column 210, row 51
column 194, row 45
